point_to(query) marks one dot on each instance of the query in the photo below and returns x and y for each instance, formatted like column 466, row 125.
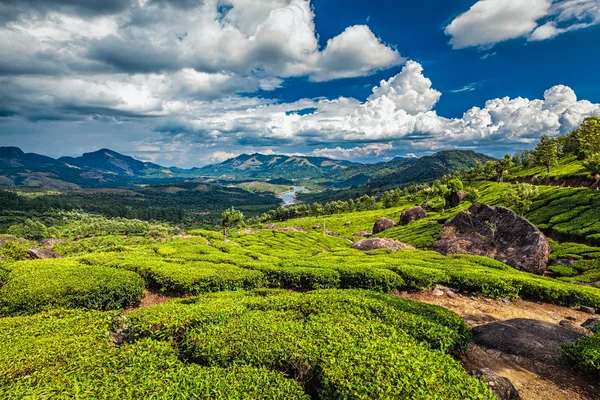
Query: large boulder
column 382, row 224
column 411, row 215
column 380, row 243
column 42, row 254
column 532, row 339
column 500, row 385
column 51, row 242
column 454, row 199
column 497, row 233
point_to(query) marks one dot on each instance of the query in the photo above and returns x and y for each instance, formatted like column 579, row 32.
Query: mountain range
column 107, row 168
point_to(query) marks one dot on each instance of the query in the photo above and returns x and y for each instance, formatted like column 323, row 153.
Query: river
column 289, row 198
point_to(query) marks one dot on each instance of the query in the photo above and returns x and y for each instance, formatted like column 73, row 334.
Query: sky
column 191, row 82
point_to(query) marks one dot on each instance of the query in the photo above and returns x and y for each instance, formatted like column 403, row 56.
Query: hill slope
column 274, row 166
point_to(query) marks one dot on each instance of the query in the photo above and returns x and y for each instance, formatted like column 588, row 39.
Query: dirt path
column 534, row 380
column 151, row 298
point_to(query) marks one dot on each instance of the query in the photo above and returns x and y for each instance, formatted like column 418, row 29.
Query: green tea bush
column 32, row 286
column 67, row 354
column 563, row 270
column 337, row 344
column 584, row 353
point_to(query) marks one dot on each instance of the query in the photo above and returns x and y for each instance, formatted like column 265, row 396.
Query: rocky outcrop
column 532, row 339
column 454, row 199
column 411, row 215
column 497, row 233
column 500, row 385
column 426, row 206
column 380, row 243
column 592, row 324
column 42, row 254
column 362, row 233
column 382, row 224
column 51, row 242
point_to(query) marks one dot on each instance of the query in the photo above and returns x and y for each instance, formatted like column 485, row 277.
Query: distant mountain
column 102, row 168
column 428, row 168
column 275, row 166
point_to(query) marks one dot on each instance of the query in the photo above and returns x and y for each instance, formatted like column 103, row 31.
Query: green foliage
column 13, row 251
column 563, row 270
column 520, row 197
column 587, row 137
column 32, row 286
column 546, row 152
column 585, row 353
column 30, row 229
column 592, row 163
column 454, row 185
column 231, row 218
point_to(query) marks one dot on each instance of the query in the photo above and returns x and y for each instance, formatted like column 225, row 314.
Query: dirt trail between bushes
column 534, row 380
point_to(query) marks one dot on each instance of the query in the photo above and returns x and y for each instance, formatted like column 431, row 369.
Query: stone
column 317, row 226
column 426, row 206
column 291, row 229
column 437, row 292
column 588, row 310
column 537, row 340
column 362, row 233
column 380, row 243
column 500, row 385
column 411, row 215
column 570, row 318
column 332, row 233
column 348, row 223
column 316, row 253
column 497, row 233
column 43, row 254
column 455, row 199
column 383, row 224
column 593, row 324
column 271, row 226
column 576, row 328
column 51, row 242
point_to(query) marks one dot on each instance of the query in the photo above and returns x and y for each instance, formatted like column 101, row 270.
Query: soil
column 533, row 380
column 151, row 298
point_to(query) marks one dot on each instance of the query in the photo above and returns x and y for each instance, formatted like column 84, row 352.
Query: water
column 289, row 198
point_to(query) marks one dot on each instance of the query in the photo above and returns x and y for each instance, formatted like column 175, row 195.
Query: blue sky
column 190, row 82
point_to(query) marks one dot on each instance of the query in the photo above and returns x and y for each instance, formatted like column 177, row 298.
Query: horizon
column 343, row 80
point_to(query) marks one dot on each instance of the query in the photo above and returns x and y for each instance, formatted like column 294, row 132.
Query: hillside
column 274, row 166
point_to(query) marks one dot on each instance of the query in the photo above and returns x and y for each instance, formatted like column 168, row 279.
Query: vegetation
column 585, row 353
column 520, row 197
column 546, row 153
column 231, row 218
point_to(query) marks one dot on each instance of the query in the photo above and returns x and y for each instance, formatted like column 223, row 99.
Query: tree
column 231, row 218
column 503, row 166
column 546, row 152
column 520, row 197
column 455, row 185
column 588, row 137
column 592, row 163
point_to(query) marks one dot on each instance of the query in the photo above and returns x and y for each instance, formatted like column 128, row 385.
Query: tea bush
column 32, row 286
column 584, row 353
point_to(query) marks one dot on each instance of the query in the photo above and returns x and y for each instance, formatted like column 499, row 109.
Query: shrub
column 584, row 353
column 592, row 163
column 13, row 251
column 32, row 286
column 562, row 270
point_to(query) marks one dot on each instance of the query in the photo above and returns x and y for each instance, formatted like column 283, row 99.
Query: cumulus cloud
column 354, row 152
column 489, row 22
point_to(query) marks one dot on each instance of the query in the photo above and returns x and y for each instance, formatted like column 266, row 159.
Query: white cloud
column 220, row 156
column 489, row 22
column 354, row 152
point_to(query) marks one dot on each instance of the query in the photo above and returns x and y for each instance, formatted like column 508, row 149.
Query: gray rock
column 588, row 310
column 42, row 254
column 380, row 243
column 576, row 328
column 362, row 233
column 51, row 242
column 411, row 215
column 500, row 385
column 348, row 223
column 533, row 339
column 593, row 324
column 317, row 226
column 497, row 233
column 455, row 199
column 383, row 224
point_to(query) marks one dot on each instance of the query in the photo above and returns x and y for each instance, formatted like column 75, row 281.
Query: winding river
column 289, row 198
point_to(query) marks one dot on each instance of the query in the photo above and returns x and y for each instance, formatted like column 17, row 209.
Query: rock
column 271, row 226
column 588, row 310
column 317, row 226
column 500, row 385
column 42, row 254
column 332, row 233
column 533, row 339
column 249, row 231
column 362, row 233
column 426, row 206
column 51, row 242
column 570, row 318
column 382, row 224
column 380, row 243
column 404, row 293
column 348, row 223
column 316, row 253
column 455, row 199
column 437, row 292
column 411, row 215
column 291, row 229
column 497, row 233
column 561, row 261
column 592, row 324
column 575, row 328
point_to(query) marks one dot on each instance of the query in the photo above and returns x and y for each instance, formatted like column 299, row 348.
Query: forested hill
column 275, row 166
column 405, row 171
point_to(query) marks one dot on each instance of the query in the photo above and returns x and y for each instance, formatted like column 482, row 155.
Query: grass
column 568, row 166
